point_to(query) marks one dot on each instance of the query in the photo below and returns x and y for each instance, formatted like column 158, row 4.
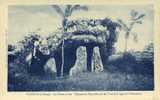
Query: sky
column 25, row 19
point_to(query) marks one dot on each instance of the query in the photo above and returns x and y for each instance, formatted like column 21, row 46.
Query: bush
column 148, row 58
column 18, row 68
column 125, row 63
column 135, row 62
column 17, row 75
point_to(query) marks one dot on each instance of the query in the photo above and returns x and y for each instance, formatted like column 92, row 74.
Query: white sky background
column 25, row 19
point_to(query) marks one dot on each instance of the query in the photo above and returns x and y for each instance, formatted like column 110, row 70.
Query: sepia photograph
column 76, row 47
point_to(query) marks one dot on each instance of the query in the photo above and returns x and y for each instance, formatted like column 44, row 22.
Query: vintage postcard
column 92, row 49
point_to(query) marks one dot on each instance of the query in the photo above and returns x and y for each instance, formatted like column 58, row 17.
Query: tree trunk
column 64, row 23
column 62, row 58
column 125, row 49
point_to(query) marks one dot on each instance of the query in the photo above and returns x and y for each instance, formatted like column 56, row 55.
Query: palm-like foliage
column 136, row 18
column 65, row 13
column 69, row 9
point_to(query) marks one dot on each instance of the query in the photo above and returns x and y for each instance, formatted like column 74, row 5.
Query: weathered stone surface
column 50, row 68
column 97, row 65
column 81, row 62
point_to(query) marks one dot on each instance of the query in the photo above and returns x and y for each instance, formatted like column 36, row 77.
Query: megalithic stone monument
column 81, row 62
column 97, row 65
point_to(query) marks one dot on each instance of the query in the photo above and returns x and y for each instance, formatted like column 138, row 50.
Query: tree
column 65, row 14
column 11, row 53
column 11, row 47
column 26, row 46
column 136, row 18
column 148, row 53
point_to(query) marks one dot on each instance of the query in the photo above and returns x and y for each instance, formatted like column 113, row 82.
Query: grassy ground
column 123, row 73
column 103, row 81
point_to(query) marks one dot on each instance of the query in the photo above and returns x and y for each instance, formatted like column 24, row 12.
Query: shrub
column 18, row 68
column 148, row 58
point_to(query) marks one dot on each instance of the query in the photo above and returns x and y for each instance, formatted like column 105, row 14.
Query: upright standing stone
column 50, row 68
column 97, row 65
column 81, row 61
